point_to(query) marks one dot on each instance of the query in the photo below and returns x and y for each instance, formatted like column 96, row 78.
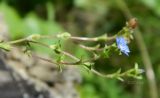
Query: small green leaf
column 59, row 59
column 88, row 65
column 5, row 46
column 64, row 35
column 106, row 52
column 120, row 53
column 96, row 56
column 28, row 52
column 56, row 48
column 114, row 45
column 121, row 79
column 60, row 67
column 119, row 71
column 136, row 66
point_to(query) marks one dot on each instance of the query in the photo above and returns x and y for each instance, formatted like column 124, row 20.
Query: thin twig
column 78, row 61
column 84, row 39
column 44, row 59
column 94, row 39
column 90, row 48
column 89, row 39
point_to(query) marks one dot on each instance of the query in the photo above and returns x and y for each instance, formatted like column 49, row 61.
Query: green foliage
column 106, row 17
column 101, row 88
column 31, row 24
column 13, row 20
column 154, row 5
column 5, row 46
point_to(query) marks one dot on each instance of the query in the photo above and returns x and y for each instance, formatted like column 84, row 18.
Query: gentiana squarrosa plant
column 118, row 42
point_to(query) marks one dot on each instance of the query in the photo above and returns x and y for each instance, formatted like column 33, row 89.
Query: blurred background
column 93, row 18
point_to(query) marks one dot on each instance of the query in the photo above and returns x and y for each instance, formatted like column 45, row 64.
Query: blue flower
column 122, row 45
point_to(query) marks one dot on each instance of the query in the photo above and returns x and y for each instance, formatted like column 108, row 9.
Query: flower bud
column 132, row 23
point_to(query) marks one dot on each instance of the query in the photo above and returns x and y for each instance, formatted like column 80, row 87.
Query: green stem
column 95, row 39
column 78, row 61
column 17, row 41
column 90, row 48
column 84, row 39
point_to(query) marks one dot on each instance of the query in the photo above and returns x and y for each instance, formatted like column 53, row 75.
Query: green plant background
column 91, row 18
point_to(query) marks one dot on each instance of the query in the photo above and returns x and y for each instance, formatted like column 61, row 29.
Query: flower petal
column 122, row 45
